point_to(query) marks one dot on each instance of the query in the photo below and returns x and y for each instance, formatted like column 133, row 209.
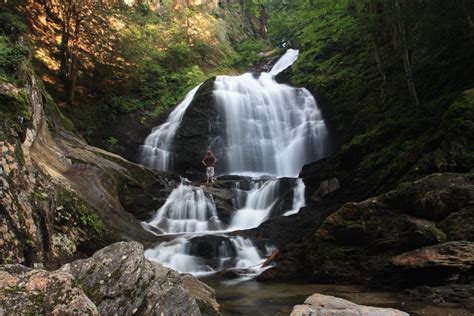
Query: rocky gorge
column 86, row 231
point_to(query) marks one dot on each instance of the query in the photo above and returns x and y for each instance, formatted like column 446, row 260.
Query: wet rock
column 119, row 280
column 326, row 187
column 24, row 291
column 191, row 139
column 204, row 295
column 443, row 295
column 320, row 305
column 455, row 254
column 223, row 200
column 211, row 247
column 449, row 261
column 459, row 225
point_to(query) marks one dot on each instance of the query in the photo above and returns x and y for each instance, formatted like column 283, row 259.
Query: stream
column 256, row 298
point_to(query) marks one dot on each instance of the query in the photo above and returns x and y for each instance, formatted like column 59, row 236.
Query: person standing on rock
column 209, row 161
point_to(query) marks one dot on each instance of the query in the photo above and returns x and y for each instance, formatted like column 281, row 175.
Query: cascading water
column 187, row 210
column 271, row 129
column 258, row 205
column 156, row 152
column 232, row 252
column 298, row 198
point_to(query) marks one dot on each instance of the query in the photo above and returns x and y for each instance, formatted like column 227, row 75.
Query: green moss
column 15, row 114
column 92, row 221
column 76, row 210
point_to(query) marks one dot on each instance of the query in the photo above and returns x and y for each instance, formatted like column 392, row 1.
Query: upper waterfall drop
column 271, row 128
column 285, row 61
column 156, row 152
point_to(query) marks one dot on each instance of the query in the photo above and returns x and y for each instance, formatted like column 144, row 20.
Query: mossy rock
column 459, row 225
column 434, row 197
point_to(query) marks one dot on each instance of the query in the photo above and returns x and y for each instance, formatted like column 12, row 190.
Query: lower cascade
column 187, row 209
column 271, row 131
column 202, row 244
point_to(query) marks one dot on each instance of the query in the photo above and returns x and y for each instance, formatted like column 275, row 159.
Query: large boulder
column 449, row 261
column 356, row 243
column 321, row 305
column 459, row 225
column 193, row 135
column 25, row 291
column 120, row 281
column 435, row 196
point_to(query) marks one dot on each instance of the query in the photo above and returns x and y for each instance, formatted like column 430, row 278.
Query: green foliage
column 112, row 140
column 247, row 53
column 14, row 51
column 352, row 59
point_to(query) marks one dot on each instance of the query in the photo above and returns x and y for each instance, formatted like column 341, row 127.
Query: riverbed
column 256, row 298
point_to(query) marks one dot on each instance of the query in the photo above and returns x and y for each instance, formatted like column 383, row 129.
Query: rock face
column 24, row 291
column 447, row 294
column 116, row 280
column 195, row 133
column 356, row 243
column 449, row 261
column 326, row 187
column 120, row 281
column 435, row 197
column 321, row 305
column 62, row 199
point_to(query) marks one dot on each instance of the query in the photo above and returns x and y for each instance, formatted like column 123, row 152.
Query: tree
column 86, row 35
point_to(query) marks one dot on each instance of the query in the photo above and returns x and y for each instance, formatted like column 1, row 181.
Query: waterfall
column 257, row 207
column 285, row 61
column 231, row 252
column 298, row 198
column 271, row 128
column 156, row 152
column 186, row 210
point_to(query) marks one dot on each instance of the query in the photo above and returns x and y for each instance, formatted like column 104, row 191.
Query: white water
column 175, row 254
column 257, row 207
column 271, row 128
column 298, row 198
column 285, row 61
column 156, row 152
column 187, row 210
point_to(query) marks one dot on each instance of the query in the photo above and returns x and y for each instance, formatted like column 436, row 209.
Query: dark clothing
column 209, row 160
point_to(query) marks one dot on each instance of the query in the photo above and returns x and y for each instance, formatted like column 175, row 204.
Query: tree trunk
column 71, row 93
column 400, row 30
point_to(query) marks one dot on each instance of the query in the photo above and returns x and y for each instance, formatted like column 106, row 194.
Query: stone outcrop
column 435, row 197
column 326, row 187
column 194, row 133
column 356, row 243
column 61, row 198
column 119, row 280
column 449, row 261
column 116, row 280
column 24, row 291
column 321, row 305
